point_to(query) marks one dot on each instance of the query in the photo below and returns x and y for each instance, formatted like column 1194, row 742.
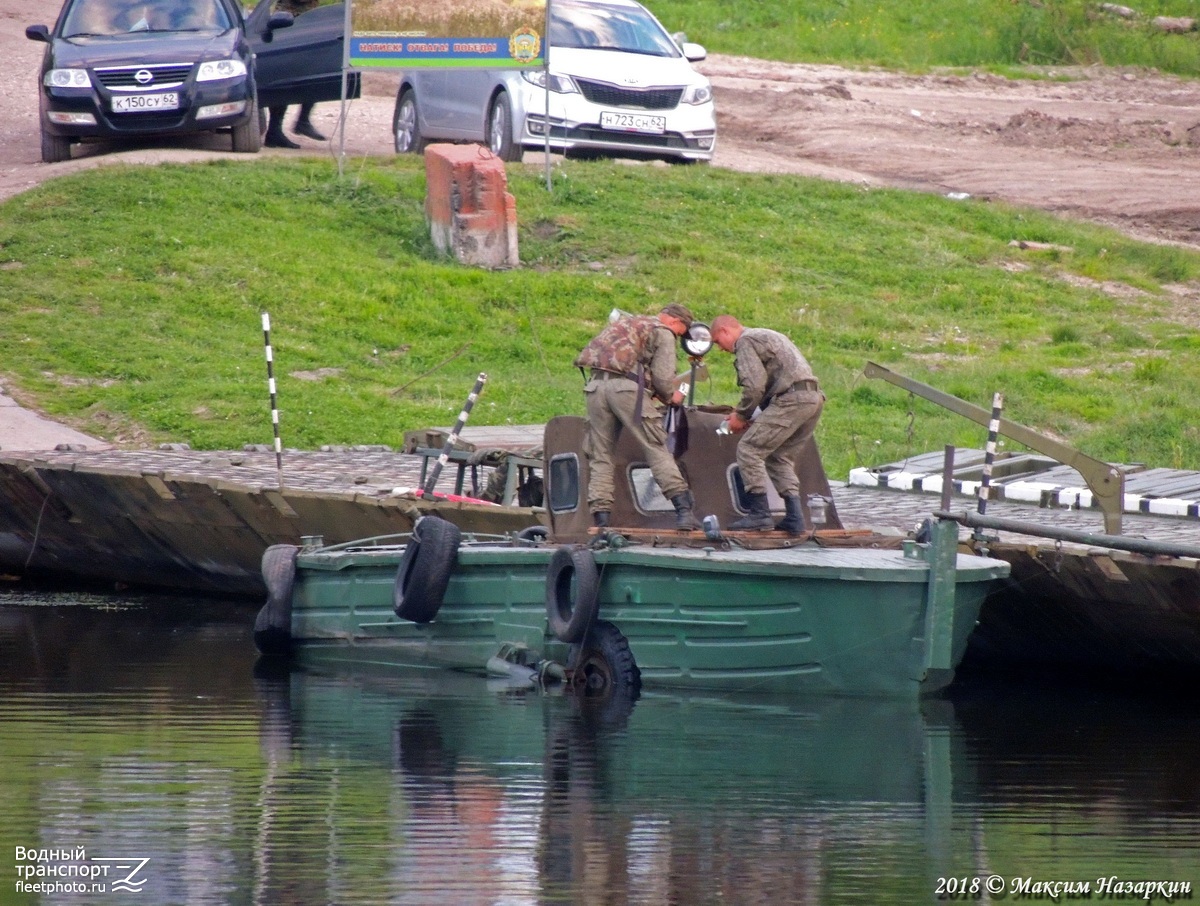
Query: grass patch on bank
column 917, row 35
column 131, row 300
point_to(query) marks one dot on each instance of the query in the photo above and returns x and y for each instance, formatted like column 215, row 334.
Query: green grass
column 917, row 34
column 131, row 300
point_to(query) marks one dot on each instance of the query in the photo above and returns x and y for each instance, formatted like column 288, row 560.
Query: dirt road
column 1118, row 147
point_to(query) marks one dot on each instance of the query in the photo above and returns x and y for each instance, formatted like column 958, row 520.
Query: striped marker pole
column 989, row 456
column 266, row 322
column 436, row 471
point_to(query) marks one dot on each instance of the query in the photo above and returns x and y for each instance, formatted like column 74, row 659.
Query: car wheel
column 247, row 138
column 406, row 130
column 55, row 148
column 499, row 131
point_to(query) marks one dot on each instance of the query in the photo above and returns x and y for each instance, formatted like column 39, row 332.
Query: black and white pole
column 448, row 448
column 266, row 322
column 989, row 456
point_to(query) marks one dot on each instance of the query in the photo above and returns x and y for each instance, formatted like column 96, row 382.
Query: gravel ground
column 1117, row 147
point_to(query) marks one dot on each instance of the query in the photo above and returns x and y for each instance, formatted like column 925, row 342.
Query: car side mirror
column 694, row 52
column 276, row 20
column 38, row 33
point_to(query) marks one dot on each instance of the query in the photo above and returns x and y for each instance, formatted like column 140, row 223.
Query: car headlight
column 558, row 84
column 68, row 78
column 697, row 94
column 220, row 69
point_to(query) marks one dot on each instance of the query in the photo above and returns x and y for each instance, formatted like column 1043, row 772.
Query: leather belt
column 598, row 375
column 800, row 385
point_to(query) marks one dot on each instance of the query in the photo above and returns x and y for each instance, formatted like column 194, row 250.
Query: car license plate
column 633, row 122
column 136, row 103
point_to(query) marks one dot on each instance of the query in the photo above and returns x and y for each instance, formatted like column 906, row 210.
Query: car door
column 468, row 92
column 430, row 88
column 300, row 64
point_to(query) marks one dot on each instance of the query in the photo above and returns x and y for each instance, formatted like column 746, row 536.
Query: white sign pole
column 546, row 77
column 346, row 36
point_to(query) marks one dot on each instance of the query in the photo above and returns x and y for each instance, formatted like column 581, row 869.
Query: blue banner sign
column 507, row 34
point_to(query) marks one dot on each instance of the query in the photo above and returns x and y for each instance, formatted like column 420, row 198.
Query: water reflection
column 148, row 730
column 672, row 800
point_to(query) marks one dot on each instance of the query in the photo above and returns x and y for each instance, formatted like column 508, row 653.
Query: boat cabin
column 708, row 462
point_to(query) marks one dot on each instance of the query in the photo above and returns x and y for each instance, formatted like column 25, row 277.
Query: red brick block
column 470, row 211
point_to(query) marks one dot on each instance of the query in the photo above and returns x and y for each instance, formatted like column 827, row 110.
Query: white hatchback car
column 620, row 85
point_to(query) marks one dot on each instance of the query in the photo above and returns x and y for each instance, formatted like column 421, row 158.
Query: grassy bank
column 914, row 34
column 130, row 300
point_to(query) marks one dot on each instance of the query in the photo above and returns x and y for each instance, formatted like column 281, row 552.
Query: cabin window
column 564, row 483
column 647, row 496
column 741, row 500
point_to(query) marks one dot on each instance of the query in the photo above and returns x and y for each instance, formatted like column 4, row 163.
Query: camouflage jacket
column 767, row 363
column 631, row 342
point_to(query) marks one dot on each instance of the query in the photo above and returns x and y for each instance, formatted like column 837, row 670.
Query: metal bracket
column 1104, row 480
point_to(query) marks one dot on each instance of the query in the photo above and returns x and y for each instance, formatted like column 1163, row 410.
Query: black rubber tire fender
column 603, row 666
column 273, row 625
column 532, row 535
column 425, row 568
column 570, row 616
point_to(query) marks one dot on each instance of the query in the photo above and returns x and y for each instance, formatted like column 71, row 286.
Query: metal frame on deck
column 1104, row 480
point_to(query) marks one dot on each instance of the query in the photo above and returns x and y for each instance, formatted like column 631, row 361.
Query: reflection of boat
column 684, row 747
column 538, row 797
column 828, row 611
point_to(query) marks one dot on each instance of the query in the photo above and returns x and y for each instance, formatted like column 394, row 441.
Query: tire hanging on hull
column 424, row 571
column 572, row 593
column 602, row 665
column 273, row 625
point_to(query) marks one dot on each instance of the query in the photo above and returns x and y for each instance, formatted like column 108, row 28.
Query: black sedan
column 127, row 69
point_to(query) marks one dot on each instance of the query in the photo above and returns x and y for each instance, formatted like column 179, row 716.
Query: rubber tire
column 500, row 130
column 603, row 665
column 248, row 137
column 532, row 536
column 406, row 110
column 273, row 625
column 570, row 620
column 425, row 568
column 55, row 148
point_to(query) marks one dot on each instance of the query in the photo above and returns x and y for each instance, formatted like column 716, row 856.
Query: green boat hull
column 803, row 619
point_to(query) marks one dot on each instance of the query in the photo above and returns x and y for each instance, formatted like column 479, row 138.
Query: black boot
column 793, row 522
column 685, row 519
column 600, row 518
column 758, row 519
column 275, row 137
column 304, row 127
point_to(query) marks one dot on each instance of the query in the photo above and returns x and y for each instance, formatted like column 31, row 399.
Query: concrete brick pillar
column 470, row 211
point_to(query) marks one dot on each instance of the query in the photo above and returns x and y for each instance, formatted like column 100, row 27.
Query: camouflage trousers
column 611, row 406
column 772, row 442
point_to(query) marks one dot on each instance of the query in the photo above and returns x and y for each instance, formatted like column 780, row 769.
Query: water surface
column 139, row 728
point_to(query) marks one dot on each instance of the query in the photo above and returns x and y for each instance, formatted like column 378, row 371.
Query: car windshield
column 598, row 26
column 102, row 18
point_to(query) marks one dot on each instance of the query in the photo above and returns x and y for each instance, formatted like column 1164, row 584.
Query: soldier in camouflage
column 630, row 358
column 776, row 378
